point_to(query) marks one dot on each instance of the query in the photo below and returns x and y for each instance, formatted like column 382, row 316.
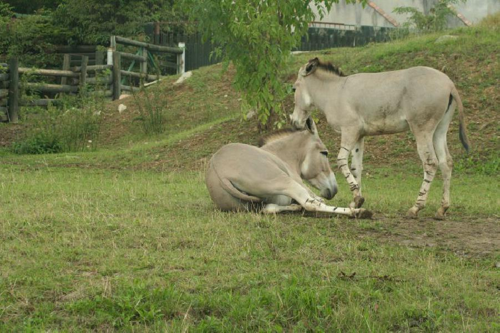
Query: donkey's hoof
column 441, row 214
column 364, row 214
column 439, row 217
column 412, row 213
column 358, row 201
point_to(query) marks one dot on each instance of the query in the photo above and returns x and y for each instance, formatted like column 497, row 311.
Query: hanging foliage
column 257, row 37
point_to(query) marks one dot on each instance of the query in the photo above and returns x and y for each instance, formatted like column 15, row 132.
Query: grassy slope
column 101, row 250
column 114, row 239
column 471, row 62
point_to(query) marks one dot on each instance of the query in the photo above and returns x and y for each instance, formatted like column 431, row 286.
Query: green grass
column 98, row 250
column 204, row 98
column 126, row 238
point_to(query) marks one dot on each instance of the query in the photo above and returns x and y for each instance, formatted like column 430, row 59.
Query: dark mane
column 276, row 135
column 329, row 67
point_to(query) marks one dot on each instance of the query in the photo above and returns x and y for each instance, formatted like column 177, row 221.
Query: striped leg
column 342, row 161
column 314, row 205
column 301, row 195
column 357, row 161
column 446, row 166
column 429, row 160
column 445, row 162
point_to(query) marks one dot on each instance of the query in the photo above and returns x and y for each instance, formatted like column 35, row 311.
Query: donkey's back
column 238, row 166
column 389, row 102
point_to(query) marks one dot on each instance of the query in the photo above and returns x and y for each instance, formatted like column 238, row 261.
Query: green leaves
column 93, row 21
column 257, row 37
column 435, row 20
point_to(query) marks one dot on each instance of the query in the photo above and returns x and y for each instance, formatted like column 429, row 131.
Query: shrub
column 43, row 142
column 61, row 129
column 152, row 107
column 491, row 21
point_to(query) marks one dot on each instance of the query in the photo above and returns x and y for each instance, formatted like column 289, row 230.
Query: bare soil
column 467, row 237
column 9, row 134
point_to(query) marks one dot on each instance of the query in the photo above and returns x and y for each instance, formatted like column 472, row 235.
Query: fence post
column 116, row 75
column 181, row 59
column 83, row 73
column 111, row 49
column 109, row 58
column 156, row 33
column 112, row 42
column 144, row 66
column 65, row 67
column 13, row 90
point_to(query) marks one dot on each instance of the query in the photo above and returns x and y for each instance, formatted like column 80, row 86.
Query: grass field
column 126, row 238
column 101, row 250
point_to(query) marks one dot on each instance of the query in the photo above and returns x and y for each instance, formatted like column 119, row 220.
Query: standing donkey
column 421, row 99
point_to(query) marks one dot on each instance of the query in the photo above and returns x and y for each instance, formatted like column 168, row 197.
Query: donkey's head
column 304, row 102
column 315, row 167
column 304, row 150
column 302, row 97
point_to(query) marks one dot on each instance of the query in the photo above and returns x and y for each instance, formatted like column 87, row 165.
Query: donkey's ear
column 311, row 66
column 311, row 126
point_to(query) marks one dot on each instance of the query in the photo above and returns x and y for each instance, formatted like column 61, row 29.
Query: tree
column 62, row 22
column 257, row 37
column 31, row 37
column 93, row 21
column 32, row 6
column 436, row 20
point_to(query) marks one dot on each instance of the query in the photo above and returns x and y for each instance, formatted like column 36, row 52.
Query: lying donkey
column 241, row 177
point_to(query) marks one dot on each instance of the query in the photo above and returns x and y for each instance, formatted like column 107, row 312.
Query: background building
column 379, row 13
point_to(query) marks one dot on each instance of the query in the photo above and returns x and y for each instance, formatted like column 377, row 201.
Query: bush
column 152, row 106
column 491, row 21
column 62, row 129
column 38, row 143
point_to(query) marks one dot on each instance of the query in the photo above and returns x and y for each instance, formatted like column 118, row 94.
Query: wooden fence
column 9, row 92
column 79, row 74
column 145, row 58
column 320, row 36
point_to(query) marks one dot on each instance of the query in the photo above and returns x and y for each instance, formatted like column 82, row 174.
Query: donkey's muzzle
column 296, row 125
column 329, row 193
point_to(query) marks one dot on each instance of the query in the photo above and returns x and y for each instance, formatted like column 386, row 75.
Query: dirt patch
column 9, row 133
column 464, row 237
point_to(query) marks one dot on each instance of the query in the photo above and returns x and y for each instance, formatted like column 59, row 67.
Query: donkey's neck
column 290, row 150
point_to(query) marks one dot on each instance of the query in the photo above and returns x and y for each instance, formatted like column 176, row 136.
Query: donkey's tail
column 461, row 119
column 228, row 186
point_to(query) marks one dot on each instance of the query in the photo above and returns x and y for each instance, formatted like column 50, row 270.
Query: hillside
column 204, row 113
column 126, row 237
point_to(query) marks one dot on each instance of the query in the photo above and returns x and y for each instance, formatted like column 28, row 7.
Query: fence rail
column 47, row 72
column 83, row 70
column 151, row 47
